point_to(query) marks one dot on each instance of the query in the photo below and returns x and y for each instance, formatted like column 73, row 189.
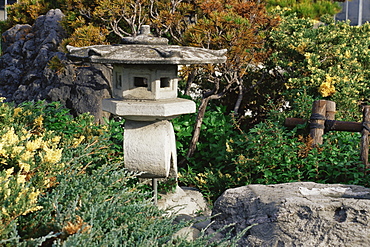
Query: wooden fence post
column 365, row 137
column 330, row 110
column 317, row 121
column 323, row 119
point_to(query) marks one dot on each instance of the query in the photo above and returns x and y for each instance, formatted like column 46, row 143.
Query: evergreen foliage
column 307, row 8
column 279, row 69
column 73, row 190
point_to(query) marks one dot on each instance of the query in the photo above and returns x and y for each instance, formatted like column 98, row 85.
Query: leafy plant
column 307, row 8
column 268, row 153
column 34, row 151
column 83, row 195
column 116, row 126
column 215, row 133
column 327, row 62
column 56, row 65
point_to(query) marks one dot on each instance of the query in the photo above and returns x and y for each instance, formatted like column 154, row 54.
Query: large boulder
column 296, row 214
column 33, row 68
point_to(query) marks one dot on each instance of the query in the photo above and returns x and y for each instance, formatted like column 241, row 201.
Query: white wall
column 2, row 15
column 351, row 11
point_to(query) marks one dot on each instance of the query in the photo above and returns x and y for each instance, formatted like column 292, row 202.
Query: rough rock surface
column 296, row 214
column 189, row 205
column 185, row 201
column 26, row 74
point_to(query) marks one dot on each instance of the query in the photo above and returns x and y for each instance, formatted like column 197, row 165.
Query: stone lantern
column 144, row 90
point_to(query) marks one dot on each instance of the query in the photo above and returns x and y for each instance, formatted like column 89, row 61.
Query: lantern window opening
column 140, row 81
column 165, row 82
column 118, row 80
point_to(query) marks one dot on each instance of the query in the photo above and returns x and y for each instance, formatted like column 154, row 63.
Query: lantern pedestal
column 149, row 139
column 150, row 147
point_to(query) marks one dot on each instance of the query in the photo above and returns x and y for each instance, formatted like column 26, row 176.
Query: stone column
column 150, row 147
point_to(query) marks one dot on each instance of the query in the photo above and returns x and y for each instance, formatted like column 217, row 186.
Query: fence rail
column 322, row 120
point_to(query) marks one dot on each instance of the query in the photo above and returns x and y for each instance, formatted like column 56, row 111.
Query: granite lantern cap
column 146, row 67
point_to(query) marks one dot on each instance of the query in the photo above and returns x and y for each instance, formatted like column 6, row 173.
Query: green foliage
column 328, row 62
column 209, row 168
column 84, row 196
column 217, row 128
column 38, row 141
column 100, row 209
column 116, row 133
column 56, row 65
column 278, row 155
column 266, row 154
column 307, row 8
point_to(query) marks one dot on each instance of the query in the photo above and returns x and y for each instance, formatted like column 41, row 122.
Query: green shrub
column 325, row 62
column 328, row 62
column 278, row 155
column 211, row 161
column 216, row 129
column 84, row 197
column 268, row 153
column 38, row 141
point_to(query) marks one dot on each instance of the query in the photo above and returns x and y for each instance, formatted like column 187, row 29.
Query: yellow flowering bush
column 33, row 141
column 27, row 159
column 17, row 197
column 327, row 61
column 28, row 151
column 327, row 87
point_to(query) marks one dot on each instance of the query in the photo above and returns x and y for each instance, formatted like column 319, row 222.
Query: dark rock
column 16, row 33
column 296, row 214
column 26, row 73
column 182, row 217
column 202, row 222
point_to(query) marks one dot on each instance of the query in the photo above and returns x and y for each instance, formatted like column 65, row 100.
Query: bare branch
column 239, row 99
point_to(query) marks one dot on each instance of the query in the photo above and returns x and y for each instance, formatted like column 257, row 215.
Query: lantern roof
column 146, row 49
